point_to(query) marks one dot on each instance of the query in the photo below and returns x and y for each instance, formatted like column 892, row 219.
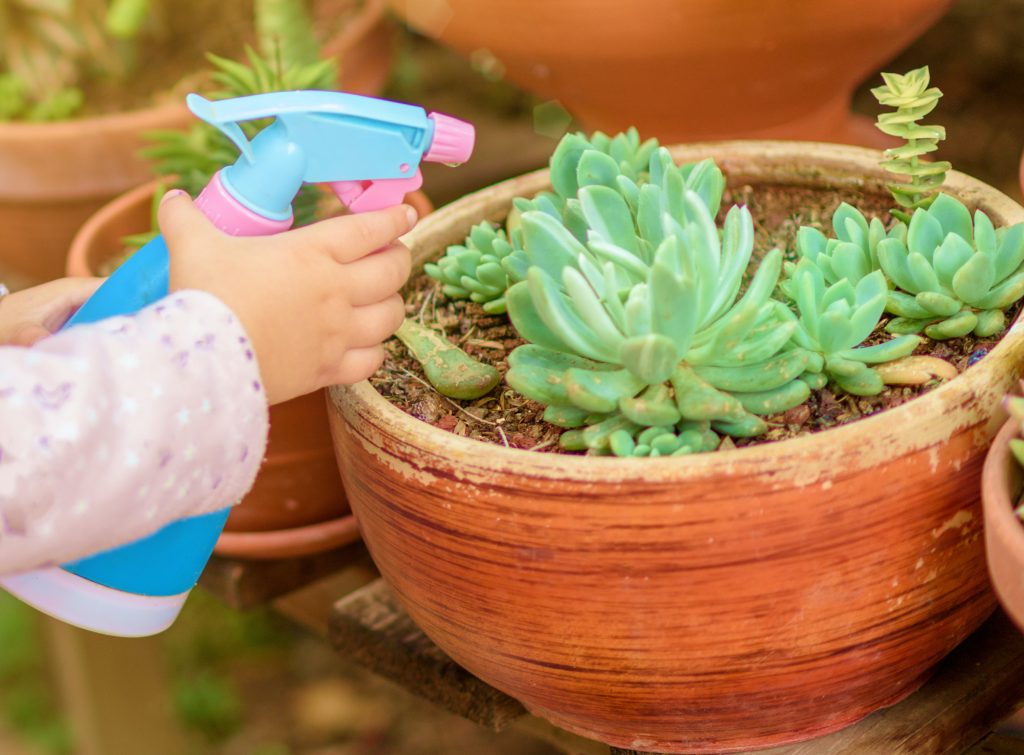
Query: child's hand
column 317, row 302
column 32, row 314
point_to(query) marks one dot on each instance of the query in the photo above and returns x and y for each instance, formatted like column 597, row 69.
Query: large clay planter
column 712, row 603
column 685, row 71
column 53, row 176
column 1002, row 483
column 297, row 505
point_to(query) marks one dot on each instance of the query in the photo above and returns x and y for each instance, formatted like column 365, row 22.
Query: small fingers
column 351, row 237
column 357, row 364
column 181, row 222
column 375, row 323
column 377, row 276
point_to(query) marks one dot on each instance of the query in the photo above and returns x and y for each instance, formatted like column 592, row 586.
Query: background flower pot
column 53, row 176
column 713, row 603
column 684, row 71
column 1002, row 482
column 297, row 505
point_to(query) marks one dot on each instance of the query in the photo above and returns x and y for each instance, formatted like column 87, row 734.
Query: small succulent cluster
column 913, row 99
column 650, row 331
column 949, row 274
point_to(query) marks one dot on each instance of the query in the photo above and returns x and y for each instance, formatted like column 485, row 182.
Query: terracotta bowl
column 685, row 71
column 1002, row 482
column 711, row 603
column 297, row 505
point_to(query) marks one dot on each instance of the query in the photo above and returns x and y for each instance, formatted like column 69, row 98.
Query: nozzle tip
column 453, row 140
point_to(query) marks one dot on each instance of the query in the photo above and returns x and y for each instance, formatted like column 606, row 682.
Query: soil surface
column 505, row 417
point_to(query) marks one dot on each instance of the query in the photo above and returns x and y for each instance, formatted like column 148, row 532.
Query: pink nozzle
column 453, row 140
column 231, row 216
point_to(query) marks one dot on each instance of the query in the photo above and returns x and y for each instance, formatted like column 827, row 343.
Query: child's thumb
column 180, row 220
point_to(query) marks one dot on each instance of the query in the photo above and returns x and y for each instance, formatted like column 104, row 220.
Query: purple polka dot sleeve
column 111, row 430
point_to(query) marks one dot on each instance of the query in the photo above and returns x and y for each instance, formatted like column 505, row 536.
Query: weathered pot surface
column 1002, row 482
column 712, row 603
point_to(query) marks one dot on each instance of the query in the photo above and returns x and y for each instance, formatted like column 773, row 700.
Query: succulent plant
column 474, row 270
column 640, row 326
column 490, row 260
column 956, row 275
column 913, row 99
column 853, row 253
column 835, row 319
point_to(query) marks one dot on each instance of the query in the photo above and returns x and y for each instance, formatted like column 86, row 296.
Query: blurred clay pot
column 710, row 603
column 1002, row 483
column 297, row 505
column 686, row 71
column 54, row 176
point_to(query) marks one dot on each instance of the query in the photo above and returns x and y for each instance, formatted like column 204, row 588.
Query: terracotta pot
column 1002, row 482
column 297, row 505
column 712, row 603
column 685, row 71
column 54, row 176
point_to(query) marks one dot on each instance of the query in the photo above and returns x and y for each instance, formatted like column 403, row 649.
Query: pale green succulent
column 955, row 276
column 474, row 270
column 913, row 100
column 853, row 253
column 640, row 326
column 835, row 319
column 490, row 260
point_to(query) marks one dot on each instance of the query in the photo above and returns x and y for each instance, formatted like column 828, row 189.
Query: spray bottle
column 368, row 150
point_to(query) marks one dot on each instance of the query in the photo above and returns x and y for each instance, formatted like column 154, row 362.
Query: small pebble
column 976, row 356
column 798, row 415
column 447, row 422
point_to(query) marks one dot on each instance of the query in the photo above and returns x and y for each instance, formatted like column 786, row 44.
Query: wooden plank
column 975, row 687
column 370, row 628
column 114, row 690
column 243, row 584
column 978, row 685
column 997, row 744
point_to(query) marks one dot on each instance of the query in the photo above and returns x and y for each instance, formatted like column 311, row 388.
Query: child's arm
column 111, row 430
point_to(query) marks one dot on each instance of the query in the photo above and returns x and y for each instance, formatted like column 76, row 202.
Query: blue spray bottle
column 369, row 151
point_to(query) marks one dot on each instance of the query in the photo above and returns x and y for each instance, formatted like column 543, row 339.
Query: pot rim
column 995, row 481
column 966, row 400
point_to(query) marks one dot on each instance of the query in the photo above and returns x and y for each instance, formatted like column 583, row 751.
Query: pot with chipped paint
column 1002, row 483
column 711, row 603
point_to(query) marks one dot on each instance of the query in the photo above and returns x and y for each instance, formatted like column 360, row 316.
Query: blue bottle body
column 169, row 561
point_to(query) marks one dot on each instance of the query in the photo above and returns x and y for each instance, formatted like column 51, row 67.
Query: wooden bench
column 339, row 597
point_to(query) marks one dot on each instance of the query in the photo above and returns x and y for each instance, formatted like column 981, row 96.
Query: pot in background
column 1002, row 483
column 54, row 176
column 688, row 71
